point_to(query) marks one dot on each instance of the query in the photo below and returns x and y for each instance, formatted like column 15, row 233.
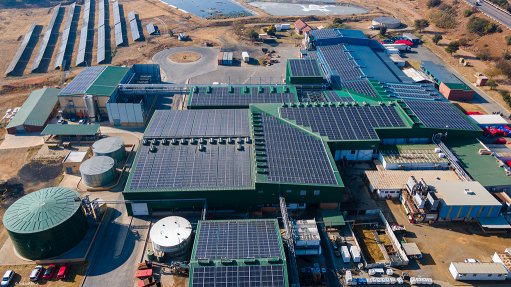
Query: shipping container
column 345, row 254
column 245, row 56
column 355, row 253
column 220, row 58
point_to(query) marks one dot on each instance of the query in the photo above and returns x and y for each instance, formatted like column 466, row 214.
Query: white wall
column 474, row 277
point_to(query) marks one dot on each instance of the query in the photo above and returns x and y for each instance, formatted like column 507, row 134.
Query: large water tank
column 389, row 22
column 98, row 171
column 171, row 235
column 46, row 223
column 110, row 146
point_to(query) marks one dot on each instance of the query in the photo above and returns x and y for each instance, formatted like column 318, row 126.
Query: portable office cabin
column 478, row 271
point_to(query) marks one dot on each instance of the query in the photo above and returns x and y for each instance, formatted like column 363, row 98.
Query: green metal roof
column 36, row 109
column 333, row 218
column 41, row 210
column 106, row 83
column 71, row 130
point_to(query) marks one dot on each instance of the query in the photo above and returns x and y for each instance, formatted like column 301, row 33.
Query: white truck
column 245, row 56
column 400, row 47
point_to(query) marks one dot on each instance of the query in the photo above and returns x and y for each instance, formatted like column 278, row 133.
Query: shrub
column 437, row 38
column 445, row 17
column 508, row 40
column 504, row 67
column 468, row 12
column 481, row 26
column 433, row 3
column 484, row 55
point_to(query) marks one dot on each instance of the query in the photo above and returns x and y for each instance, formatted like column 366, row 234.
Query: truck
column 345, row 254
column 245, row 57
column 400, row 47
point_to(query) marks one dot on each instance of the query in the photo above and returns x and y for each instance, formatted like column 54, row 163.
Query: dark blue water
column 211, row 8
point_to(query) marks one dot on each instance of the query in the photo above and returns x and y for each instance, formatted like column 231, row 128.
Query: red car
column 63, row 271
column 50, row 271
column 406, row 42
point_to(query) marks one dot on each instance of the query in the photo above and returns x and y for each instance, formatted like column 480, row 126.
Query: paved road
column 486, row 102
column 179, row 73
column 493, row 12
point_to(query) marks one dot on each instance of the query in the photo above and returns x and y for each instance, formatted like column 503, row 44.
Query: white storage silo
column 98, row 171
column 171, row 235
column 111, row 146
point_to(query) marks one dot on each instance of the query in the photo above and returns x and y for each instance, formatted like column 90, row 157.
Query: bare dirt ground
column 184, row 57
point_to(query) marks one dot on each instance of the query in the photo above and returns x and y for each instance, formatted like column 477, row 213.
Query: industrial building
column 448, row 84
column 409, row 157
column 238, row 252
column 478, row 271
column 71, row 133
column 35, row 112
column 46, row 223
column 306, row 237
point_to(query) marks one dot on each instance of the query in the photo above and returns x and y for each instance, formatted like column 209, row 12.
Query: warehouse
column 448, row 84
column 478, row 271
column 35, row 112
column 256, row 259
column 407, row 157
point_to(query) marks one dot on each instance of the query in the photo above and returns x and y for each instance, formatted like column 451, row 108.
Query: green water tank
column 46, row 223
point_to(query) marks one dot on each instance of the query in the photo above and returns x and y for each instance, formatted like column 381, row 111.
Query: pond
column 210, row 9
column 292, row 9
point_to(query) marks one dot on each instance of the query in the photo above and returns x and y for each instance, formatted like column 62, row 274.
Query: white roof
column 489, row 119
column 411, row 249
column 464, row 193
column 417, row 76
column 170, row 231
column 479, row 268
column 75, row 156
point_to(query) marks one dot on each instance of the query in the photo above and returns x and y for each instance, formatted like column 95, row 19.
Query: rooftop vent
column 155, row 142
column 221, row 140
column 248, row 140
column 145, row 142
column 174, row 141
column 165, row 142
column 202, row 147
column 184, row 141
column 193, row 141
column 152, row 148
column 212, row 141
column 468, row 191
column 240, row 147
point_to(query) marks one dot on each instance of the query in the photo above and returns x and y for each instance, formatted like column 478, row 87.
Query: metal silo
column 98, row 171
column 171, row 235
column 46, row 223
column 111, row 146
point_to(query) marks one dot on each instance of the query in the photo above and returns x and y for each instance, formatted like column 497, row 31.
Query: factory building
column 35, row 112
column 46, row 223
column 448, row 84
column 256, row 259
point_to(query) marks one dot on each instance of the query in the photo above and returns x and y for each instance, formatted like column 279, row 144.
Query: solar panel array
column 15, row 61
column 46, row 38
column 332, row 96
column 198, row 123
column 101, row 55
column 341, row 61
column 233, row 276
column 325, row 34
column 185, row 166
column 293, row 156
column 65, row 36
column 82, row 81
column 361, row 87
column 345, row 122
column 134, row 26
column 117, row 24
column 150, row 28
column 84, row 32
column 240, row 97
column 304, row 68
column 441, row 115
column 412, row 91
column 237, row 239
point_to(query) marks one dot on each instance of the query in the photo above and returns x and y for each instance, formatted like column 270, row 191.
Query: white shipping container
column 345, row 254
column 355, row 253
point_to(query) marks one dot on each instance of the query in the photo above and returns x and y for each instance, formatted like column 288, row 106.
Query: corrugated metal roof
column 106, row 83
column 41, row 210
column 71, row 130
column 479, row 268
column 442, row 74
column 97, row 165
column 36, row 109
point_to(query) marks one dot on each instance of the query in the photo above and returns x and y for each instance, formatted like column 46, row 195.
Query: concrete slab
column 19, row 141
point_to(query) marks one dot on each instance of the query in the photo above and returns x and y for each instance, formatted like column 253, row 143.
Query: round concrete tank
column 46, row 223
column 111, row 146
column 171, row 235
column 389, row 22
column 98, row 171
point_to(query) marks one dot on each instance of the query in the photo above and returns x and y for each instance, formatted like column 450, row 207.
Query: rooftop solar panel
column 223, row 276
column 325, row 34
column 191, row 166
column 333, row 96
column 441, row 115
column 16, row 59
column 82, row 82
column 198, row 123
column 228, row 240
column 304, row 68
column 345, row 122
column 363, row 87
column 294, row 156
column 240, row 97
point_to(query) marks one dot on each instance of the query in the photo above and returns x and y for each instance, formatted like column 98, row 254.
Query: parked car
column 36, row 273
column 7, row 278
column 63, row 271
column 50, row 271
column 62, row 122
column 82, row 122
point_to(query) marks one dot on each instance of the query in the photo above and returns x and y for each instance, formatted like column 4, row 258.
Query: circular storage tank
column 171, row 235
column 46, row 223
column 98, row 171
column 389, row 22
column 111, row 146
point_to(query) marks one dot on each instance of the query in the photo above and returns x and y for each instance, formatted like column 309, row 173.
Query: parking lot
column 21, row 278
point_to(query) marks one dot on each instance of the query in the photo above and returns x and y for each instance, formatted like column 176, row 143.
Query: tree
column 481, row 26
column 492, row 84
column 437, row 38
column 453, row 47
column 383, row 31
column 433, row 3
column 421, row 24
column 253, row 35
column 271, row 30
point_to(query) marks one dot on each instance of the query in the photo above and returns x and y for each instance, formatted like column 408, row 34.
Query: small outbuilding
column 71, row 133
column 301, row 27
column 478, row 271
column 71, row 164
column 448, row 84
column 35, row 112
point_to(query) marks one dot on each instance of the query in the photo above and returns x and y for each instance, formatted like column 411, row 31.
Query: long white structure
column 478, row 271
